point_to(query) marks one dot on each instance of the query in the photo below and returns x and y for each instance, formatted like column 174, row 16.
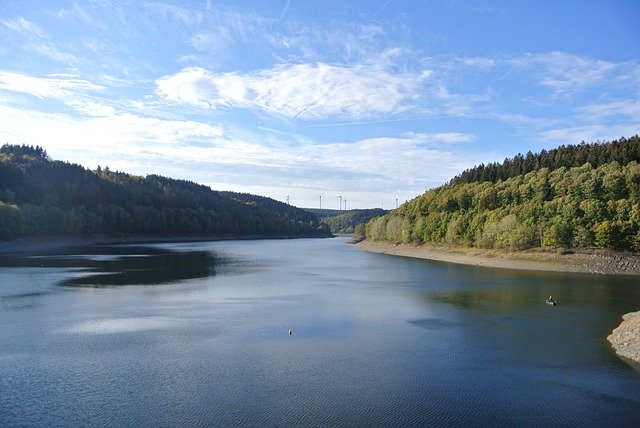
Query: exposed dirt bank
column 625, row 339
column 587, row 261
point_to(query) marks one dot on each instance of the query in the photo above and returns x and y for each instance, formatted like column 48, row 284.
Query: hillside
column 556, row 199
column 346, row 221
column 44, row 197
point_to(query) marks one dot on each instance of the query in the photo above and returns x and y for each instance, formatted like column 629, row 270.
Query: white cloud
column 587, row 133
column 478, row 62
column 457, row 104
column 306, row 91
column 24, row 26
column 524, row 122
column 564, row 73
column 92, row 108
column 45, row 87
column 52, row 52
column 412, row 162
column 105, row 137
column 628, row 108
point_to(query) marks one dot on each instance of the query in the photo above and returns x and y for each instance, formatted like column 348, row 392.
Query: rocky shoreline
column 625, row 338
column 585, row 261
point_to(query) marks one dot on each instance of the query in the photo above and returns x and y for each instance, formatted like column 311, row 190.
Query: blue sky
column 369, row 100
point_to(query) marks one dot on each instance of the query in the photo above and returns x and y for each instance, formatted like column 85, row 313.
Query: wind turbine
column 320, row 196
column 340, row 201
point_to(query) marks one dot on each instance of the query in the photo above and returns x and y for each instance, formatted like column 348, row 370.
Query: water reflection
column 104, row 266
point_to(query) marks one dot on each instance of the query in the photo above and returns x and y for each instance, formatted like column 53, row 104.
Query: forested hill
column 572, row 197
column 622, row 151
column 273, row 206
column 40, row 197
column 347, row 221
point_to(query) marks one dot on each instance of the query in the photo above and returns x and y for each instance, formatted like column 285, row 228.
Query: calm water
column 196, row 334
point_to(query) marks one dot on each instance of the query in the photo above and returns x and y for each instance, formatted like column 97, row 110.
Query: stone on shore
column 625, row 339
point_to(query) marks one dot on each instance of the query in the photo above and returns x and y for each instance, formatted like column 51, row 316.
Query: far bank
column 55, row 243
column 585, row 261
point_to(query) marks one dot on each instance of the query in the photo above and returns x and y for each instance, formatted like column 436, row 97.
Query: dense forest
column 580, row 196
column 622, row 151
column 43, row 197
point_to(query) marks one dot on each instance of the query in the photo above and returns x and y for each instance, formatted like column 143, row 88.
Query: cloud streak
column 564, row 73
column 24, row 26
column 46, row 87
column 306, row 91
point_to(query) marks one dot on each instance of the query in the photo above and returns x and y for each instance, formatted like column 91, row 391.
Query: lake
column 196, row 334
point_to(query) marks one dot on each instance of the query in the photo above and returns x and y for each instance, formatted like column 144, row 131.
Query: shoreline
column 56, row 243
column 586, row 261
column 625, row 339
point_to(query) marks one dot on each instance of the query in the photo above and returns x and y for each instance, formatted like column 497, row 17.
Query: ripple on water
column 118, row 325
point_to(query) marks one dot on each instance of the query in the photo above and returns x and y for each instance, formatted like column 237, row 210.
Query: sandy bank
column 591, row 262
column 625, row 339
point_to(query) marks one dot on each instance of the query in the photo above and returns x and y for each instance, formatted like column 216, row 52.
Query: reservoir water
column 197, row 334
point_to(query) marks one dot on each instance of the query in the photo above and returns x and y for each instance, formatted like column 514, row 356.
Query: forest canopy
column 43, row 197
column 580, row 196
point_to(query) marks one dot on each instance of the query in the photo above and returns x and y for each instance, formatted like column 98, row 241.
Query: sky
column 352, row 104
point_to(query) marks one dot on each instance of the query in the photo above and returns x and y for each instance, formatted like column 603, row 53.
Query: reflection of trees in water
column 148, row 269
column 522, row 293
column 123, row 265
column 485, row 300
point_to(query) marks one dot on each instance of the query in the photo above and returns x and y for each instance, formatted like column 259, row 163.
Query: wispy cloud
column 286, row 8
column 587, row 133
column 52, row 52
column 629, row 109
column 24, row 26
column 564, row 73
column 306, row 91
column 104, row 135
column 46, row 87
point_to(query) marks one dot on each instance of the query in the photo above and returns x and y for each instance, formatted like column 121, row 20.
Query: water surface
column 197, row 334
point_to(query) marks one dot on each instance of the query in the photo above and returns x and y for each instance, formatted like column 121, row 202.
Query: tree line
column 577, row 205
column 40, row 197
column 622, row 151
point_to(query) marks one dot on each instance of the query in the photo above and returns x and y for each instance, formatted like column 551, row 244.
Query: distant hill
column 346, row 221
column 273, row 206
column 323, row 212
column 41, row 197
column 576, row 196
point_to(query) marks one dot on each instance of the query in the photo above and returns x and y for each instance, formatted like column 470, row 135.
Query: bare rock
column 625, row 339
